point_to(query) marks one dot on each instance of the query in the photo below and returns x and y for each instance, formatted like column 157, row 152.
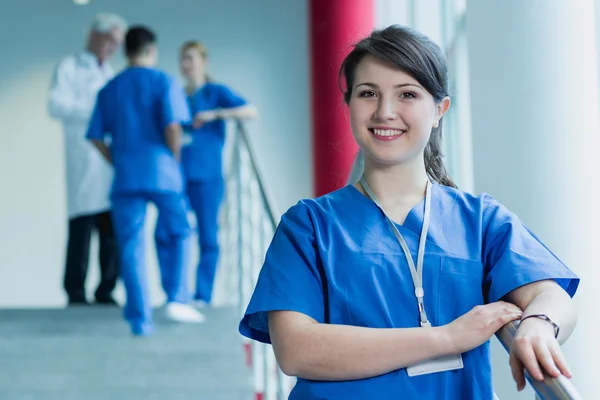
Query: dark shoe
column 78, row 302
column 106, row 301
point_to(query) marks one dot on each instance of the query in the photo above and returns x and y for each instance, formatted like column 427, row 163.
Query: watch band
column 546, row 318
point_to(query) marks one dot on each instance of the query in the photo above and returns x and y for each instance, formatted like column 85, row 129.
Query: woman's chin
column 386, row 159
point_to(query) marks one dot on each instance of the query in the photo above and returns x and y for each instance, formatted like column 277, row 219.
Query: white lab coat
column 72, row 96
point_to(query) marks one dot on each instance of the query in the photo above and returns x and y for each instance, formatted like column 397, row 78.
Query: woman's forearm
column 242, row 112
column 546, row 297
column 557, row 304
column 310, row 350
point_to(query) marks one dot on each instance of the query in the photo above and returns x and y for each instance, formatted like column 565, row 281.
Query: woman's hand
column 534, row 347
column 203, row 117
column 480, row 324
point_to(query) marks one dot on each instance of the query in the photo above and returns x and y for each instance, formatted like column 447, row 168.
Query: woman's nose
column 386, row 110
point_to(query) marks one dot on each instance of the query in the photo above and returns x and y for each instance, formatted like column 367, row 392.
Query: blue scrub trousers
column 129, row 215
column 205, row 199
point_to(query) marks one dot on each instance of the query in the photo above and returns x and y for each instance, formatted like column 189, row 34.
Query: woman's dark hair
column 419, row 57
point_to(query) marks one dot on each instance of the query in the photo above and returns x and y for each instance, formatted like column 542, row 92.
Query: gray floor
column 87, row 353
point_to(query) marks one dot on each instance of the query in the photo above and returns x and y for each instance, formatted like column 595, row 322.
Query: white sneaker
column 184, row 313
column 201, row 304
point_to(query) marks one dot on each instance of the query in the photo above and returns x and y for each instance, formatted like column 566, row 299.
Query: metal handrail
column 560, row 388
column 266, row 198
column 248, row 221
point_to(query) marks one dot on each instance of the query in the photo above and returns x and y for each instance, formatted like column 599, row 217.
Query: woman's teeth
column 388, row 132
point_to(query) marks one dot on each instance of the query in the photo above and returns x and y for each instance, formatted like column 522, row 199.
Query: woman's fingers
column 545, row 359
column 560, row 361
column 524, row 350
column 518, row 373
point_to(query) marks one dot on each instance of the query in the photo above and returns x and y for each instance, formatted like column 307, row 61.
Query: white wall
column 260, row 48
column 389, row 12
column 597, row 8
column 537, row 151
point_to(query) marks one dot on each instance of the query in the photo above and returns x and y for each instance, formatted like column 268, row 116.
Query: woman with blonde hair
column 210, row 104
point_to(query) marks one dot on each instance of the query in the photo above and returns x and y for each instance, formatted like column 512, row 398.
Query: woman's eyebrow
column 401, row 85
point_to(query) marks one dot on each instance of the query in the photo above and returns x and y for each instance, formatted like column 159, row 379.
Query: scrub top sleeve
column 289, row 279
column 228, row 99
column 174, row 104
column 97, row 126
column 513, row 256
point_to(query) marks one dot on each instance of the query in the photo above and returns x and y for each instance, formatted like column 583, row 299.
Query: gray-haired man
column 72, row 96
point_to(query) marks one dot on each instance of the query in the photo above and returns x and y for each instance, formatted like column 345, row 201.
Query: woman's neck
column 398, row 185
column 196, row 82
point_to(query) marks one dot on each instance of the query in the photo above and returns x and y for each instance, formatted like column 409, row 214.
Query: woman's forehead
column 377, row 70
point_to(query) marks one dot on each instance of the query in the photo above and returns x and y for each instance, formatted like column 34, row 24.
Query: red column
column 334, row 26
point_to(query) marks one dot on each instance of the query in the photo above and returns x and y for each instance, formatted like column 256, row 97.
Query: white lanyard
column 416, row 273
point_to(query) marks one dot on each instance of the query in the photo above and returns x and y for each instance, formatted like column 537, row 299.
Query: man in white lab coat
column 72, row 96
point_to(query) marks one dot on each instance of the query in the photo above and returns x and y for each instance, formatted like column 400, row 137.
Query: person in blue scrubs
column 391, row 287
column 211, row 104
column 142, row 110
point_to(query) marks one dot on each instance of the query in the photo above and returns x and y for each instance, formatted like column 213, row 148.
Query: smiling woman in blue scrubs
column 211, row 104
column 391, row 288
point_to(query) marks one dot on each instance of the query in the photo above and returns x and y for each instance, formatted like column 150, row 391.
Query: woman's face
column 192, row 64
column 391, row 114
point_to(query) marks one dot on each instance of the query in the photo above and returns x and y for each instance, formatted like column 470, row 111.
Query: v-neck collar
column 197, row 90
column 414, row 218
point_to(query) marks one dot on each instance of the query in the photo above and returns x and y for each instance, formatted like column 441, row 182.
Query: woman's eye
column 408, row 95
column 367, row 93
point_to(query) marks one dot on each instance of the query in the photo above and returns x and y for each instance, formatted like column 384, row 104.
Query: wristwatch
column 546, row 318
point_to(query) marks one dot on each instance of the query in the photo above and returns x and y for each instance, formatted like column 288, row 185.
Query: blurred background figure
column 143, row 108
column 211, row 104
column 73, row 90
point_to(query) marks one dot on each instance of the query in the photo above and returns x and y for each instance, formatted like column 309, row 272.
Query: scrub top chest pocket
column 460, row 289
column 379, row 292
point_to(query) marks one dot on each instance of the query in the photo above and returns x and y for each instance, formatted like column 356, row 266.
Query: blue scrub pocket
column 461, row 288
column 379, row 292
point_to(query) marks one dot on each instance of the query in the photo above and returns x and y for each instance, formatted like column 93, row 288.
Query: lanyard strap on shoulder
column 415, row 272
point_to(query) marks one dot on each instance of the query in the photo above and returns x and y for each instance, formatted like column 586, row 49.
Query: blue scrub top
column 203, row 158
column 135, row 107
column 476, row 252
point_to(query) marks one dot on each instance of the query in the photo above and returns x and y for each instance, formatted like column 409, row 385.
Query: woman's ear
column 441, row 109
column 443, row 106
